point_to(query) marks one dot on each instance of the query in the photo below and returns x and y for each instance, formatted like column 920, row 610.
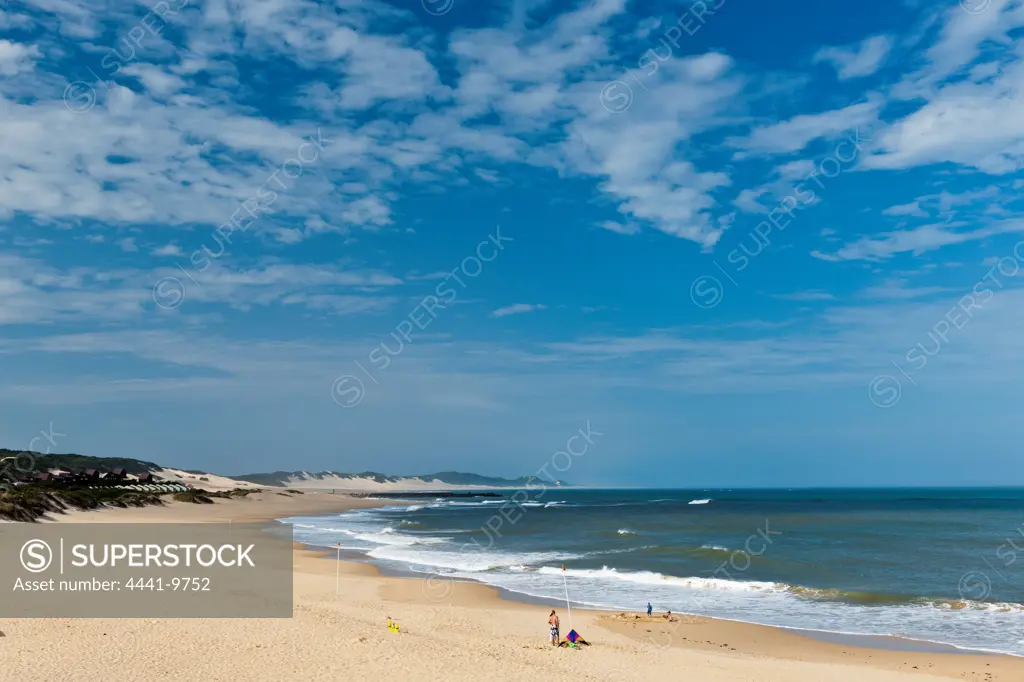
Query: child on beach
column 553, row 628
column 649, row 609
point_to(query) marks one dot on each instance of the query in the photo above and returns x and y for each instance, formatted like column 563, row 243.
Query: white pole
column 337, row 573
column 567, row 607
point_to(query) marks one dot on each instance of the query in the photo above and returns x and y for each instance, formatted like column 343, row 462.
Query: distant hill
column 38, row 462
column 367, row 480
column 373, row 479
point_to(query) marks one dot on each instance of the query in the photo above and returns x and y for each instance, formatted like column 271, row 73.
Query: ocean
column 940, row 566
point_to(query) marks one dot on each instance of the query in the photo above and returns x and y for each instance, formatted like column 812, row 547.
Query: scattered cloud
column 898, row 288
column 911, row 209
column 856, row 61
column 486, row 175
column 794, row 134
column 517, row 309
column 805, row 296
column 16, row 58
column 168, row 250
column 619, row 228
column 917, row 241
column 415, row 131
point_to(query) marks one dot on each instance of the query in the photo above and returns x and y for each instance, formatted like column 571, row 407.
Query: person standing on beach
column 649, row 609
column 553, row 628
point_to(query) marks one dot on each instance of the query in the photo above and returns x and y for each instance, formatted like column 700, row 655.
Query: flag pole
column 337, row 573
column 567, row 607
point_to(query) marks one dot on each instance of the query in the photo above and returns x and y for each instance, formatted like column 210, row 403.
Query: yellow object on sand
column 393, row 627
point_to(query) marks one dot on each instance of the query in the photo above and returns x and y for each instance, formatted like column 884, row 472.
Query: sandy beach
column 457, row 631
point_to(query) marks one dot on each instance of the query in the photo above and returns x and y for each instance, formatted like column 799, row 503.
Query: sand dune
column 369, row 485
column 210, row 482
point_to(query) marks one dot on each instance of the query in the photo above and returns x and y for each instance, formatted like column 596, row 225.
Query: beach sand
column 450, row 631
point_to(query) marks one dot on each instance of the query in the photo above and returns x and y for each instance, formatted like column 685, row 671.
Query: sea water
column 943, row 566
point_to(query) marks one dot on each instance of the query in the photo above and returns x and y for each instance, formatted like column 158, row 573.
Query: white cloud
column 16, row 58
column 796, row 133
column 747, row 200
column 158, row 82
column 897, row 288
column 917, row 241
column 971, row 115
column 486, row 175
column 978, row 125
column 858, row 60
column 961, row 37
column 35, row 293
column 806, row 296
column 168, row 250
column 942, row 203
column 842, row 346
column 143, row 164
column 440, row 274
column 379, row 68
column 517, row 309
column 911, row 209
column 782, row 183
column 636, row 153
column 174, row 148
column 619, row 228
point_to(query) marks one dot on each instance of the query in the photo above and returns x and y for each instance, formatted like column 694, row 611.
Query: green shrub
column 31, row 502
column 195, row 497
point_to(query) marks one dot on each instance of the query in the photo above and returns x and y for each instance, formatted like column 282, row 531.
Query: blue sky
column 749, row 245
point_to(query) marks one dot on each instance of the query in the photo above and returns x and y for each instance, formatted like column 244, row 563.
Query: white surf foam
column 459, row 503
column 982, row 626
column 470, row 560
column 703, row 501
column 652, row 578
column 388, row 536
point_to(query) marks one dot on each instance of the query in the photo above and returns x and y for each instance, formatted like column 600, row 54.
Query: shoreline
column 446, row 625
column 848, row 639
column 845, row 639
column 861, row 641
column 789, row 644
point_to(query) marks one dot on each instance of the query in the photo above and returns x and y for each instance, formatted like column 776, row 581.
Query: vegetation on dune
column 31, row 502
column 136, row 499
column 237, row 492
column 32, row 462
column 193, row 496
